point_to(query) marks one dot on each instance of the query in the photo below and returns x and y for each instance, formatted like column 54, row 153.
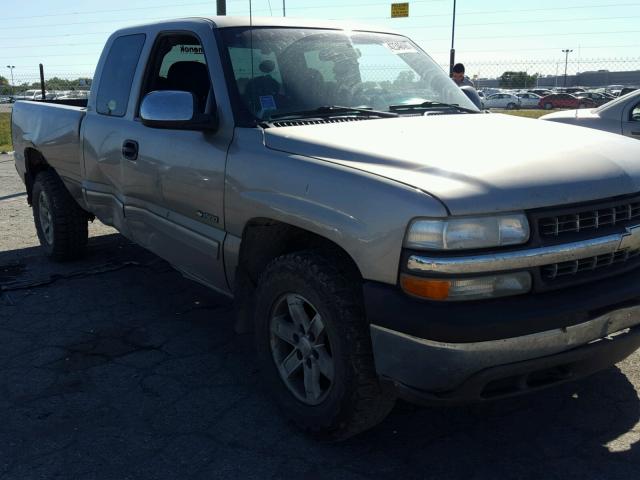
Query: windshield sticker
column 267, row 102
column 400, row 47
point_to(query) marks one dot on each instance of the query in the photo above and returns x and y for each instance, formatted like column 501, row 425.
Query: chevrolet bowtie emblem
column 630, row 239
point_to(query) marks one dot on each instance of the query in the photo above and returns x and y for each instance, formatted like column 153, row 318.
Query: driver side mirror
column 175, row 109
column 472, row 95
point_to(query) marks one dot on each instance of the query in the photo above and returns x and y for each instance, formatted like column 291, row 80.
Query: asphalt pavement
column 116, row 367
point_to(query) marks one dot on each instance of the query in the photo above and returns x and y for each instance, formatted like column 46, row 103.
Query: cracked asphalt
column 116, row 367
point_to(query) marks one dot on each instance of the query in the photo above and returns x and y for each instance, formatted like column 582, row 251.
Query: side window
column 177, row 62
column 635, row 113
column 117, row 75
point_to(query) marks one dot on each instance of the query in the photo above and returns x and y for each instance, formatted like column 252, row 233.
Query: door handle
column 130, row 150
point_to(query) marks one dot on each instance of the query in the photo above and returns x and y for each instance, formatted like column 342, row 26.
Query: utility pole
column 452, row 53
column 284, row 8
column 566, row 61
column 221, row 7
column 11, row 67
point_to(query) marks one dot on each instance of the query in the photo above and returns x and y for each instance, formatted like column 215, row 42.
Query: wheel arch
column 35, row 162
column 263, row 240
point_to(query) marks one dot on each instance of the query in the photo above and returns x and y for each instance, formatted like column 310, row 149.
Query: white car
column 621, row 116
column 33, row 95
column 529, row 100
column 502, row 100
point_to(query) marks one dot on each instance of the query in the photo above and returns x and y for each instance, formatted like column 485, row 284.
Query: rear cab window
column 117, row 75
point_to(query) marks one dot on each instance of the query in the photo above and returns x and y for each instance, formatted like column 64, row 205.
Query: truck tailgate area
column 53, row 130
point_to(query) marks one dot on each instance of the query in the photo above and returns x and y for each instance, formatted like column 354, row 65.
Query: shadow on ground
column 116, row 367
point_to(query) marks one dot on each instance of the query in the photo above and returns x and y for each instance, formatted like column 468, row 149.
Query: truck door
column 162, row 188
column 173, row 180
column 105, row 127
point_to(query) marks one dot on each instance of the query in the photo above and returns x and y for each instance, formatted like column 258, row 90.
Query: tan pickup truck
column 337, row 183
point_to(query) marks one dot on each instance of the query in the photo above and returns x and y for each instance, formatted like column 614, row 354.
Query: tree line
column 54, row 83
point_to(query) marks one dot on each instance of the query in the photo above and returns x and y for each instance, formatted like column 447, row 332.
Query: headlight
column 468, row 232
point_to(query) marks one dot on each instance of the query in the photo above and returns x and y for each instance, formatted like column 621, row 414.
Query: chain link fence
column 591, row 73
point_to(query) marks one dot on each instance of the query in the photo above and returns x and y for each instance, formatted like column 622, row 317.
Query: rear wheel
column 61, row 224
column 511, row 106
column 548, row 106
column 314, row 347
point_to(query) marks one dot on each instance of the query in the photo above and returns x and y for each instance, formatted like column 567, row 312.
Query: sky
column 491, row 35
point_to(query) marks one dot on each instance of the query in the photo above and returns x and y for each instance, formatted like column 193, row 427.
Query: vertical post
column 11, row 67
column 221, row 7
column 284, row 8
column 42, row 83
column 452, row 53
column 566, row 62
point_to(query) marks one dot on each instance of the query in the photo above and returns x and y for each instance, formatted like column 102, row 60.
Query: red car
column 564, row 100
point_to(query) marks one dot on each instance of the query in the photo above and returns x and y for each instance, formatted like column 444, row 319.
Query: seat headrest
column 190, row 77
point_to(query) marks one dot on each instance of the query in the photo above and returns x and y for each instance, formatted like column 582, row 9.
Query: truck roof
column 244, row 21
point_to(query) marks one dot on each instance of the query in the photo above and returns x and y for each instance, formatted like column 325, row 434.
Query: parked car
column 5, row 99
column 598, row 98
column 502, row 100
column 621, row 116
column 564, row 100
column 34, row 95
column 529, row 100
column 369, row 260
column 626, row 90
column 543, row 92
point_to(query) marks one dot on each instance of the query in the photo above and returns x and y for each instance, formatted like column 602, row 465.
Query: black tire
column 548, row 106
column 511, row 106
column 355, row 400
column 66, row 239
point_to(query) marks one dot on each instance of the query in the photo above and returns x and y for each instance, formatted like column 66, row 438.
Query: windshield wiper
column 331, row 110
column 428, row 105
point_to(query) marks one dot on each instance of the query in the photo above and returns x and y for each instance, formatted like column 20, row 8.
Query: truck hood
column 564, row 115
column 476, row 163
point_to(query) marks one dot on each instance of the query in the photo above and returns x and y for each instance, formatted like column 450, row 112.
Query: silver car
column 621, row 115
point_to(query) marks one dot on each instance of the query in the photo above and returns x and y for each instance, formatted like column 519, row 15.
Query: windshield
column 283, row 70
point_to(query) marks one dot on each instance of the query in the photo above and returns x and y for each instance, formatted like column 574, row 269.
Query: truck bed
column 54, row 131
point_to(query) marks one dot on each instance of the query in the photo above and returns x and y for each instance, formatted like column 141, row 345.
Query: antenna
column 251, row 97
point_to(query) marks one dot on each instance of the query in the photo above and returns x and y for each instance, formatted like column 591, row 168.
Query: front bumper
column 450, row 372
column 501, row 381
column 444, row 352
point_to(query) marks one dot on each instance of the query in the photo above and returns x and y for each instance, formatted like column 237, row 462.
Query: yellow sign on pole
column 399, row 10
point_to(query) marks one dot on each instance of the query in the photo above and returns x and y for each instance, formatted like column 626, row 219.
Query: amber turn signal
column 425, row 288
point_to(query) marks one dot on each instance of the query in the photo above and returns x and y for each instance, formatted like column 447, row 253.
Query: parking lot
column 116, row 367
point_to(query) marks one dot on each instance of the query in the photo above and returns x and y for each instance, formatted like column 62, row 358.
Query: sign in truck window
column 181, row 53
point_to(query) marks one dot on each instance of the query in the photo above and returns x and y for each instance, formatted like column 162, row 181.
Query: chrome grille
column 574, row 267
column 589, row 219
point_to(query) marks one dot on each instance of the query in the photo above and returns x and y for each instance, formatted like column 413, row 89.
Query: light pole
column 452, row 53
column 11, row 67
column 566, row 61
column 284, row 8
column 221, row 7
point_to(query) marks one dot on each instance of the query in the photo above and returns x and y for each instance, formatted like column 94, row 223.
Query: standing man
column 459, row 77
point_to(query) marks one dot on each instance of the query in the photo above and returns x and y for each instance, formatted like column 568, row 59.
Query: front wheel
column 548, row 106
column 314, row 347
column 511, row 106
column 61, row 225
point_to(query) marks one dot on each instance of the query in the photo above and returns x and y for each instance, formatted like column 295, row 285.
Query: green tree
column 3, row 81
column 517, row 80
